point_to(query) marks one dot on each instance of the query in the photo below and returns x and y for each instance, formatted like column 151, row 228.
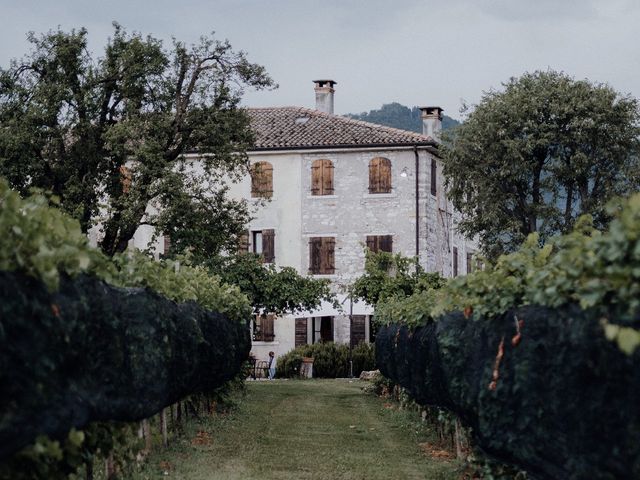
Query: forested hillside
column 399, row 116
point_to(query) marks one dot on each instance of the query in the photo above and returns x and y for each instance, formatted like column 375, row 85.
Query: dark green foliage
column 93, row 352
column 388, row 275
column 72, row 123
column 565, row 402
column 330, row 360
column 398, row 116
column 270, row 289
column 537, row 155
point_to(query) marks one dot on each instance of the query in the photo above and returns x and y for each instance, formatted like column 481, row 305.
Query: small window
column 380, row 243
column 434, row 177
column 263, row 328
column 322, row 177
column 322, row 329
column 263, row 242
column 322, row 255
column 380, row 175
column 261, row 180
column 455, row 261
column 469, row 262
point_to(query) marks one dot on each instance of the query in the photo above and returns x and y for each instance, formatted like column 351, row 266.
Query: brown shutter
column 372, row 243
column 262, row 180
column 301, row 332
column 385, row 175
column 327, row 177
column 358, row 329
column 125, row 179
column 315, row 253
column 316, row 178
column 385, row 243
column 328, row 255
column 469, row 263
column 267, row 328
column 434, row 177
column 166, row 247
column 243, row 242
column 380, row 175
column 455, row 261
column 268, row 245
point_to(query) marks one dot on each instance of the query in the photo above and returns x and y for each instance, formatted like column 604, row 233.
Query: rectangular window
column 455, row 261
column 434, row 177
column 322, row 329
column 263, row 328
column 358, row 329
column 264, row 244
column 301, row 332
column 469, row 262
column 322, row 255
column 380, row 243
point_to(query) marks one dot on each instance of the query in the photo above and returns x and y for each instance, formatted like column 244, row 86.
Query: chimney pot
column 324, row 95
column 431, row 121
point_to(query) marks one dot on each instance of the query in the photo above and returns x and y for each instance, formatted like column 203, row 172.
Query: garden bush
column 330, row 360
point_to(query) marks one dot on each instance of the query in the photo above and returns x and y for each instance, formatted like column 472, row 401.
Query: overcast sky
column 414, row 52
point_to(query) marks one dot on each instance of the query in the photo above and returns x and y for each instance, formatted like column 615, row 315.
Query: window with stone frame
column 263, row 244
column 263, row 328
column 380, row 175
column 380, row 243
column 322, row 177
column 261, row 180
column 322, row 255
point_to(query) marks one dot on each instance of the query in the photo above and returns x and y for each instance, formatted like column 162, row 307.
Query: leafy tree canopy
column 388, row 275
column 107, row 135
column 399, row 116
column 270, row 289
column 538, row 154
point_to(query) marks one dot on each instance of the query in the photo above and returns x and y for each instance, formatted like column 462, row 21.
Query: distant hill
column 398, row 116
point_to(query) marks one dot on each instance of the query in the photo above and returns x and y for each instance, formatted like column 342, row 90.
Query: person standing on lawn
column 272, row 365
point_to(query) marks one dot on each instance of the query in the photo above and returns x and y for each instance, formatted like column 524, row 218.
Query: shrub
column 330, row 360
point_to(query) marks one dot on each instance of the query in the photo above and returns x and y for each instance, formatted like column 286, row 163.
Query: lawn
column 317, row 429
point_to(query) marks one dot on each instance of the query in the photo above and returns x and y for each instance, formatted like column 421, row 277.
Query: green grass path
column 320, row 429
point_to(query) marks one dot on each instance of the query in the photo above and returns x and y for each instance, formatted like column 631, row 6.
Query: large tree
column 108, row 135
column 539, row 153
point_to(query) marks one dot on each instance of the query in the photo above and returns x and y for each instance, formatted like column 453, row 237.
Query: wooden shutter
column 372, row 243
column 380, row 243
column 455, row 261
column 385, row 243
column 243, row 242
column 434, row 177
column 380, row 175
column 322, row 177
column 301, row 332
column 166, row 247
column 125, row 179
column 358, row 329
column 469, row 262
column 268, row 245
column 262, row 180
column 315, row 253
column 327, row 262
column 266, row 327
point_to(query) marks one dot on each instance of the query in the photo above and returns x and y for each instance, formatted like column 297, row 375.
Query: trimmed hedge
column 330, row 360
column 561, row 401
column 91, row 352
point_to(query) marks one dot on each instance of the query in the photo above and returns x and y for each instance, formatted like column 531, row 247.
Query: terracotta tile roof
column 279, row 128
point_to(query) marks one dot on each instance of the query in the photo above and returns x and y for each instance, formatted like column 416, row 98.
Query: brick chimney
column 324, row 95
column 431, row 121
